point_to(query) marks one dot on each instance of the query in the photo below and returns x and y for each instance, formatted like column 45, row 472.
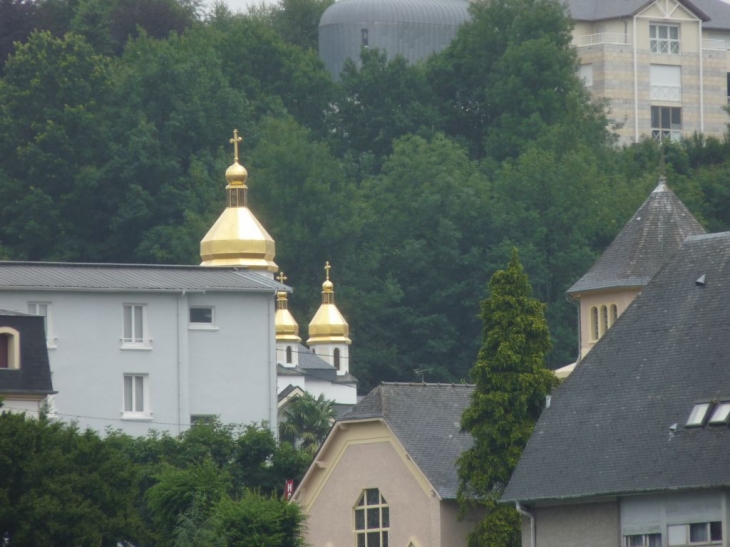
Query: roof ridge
column 425, row 384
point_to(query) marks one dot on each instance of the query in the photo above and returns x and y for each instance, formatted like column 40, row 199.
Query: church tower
column 643, row 246
column 287, row 330
column 329, row 333
column 237, row 238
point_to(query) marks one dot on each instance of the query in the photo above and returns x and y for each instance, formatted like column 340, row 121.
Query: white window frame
column 665, row 83
column 132, row 411
column 136, row 340
column 660, row 132
column 202, row 326
column 34, row 308
column 685, row 530
column 665, row 44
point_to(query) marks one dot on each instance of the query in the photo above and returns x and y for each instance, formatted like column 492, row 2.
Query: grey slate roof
column 607, row 430
column 598, row 10
column 426, row 419
column 644, row 245
column 34, row 374
column 311, row 364
column 130, row 277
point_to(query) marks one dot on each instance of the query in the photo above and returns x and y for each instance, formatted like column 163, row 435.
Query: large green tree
column 511, row 385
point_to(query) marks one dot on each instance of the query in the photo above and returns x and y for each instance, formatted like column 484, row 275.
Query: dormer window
column 9, row 348
column 698, row 415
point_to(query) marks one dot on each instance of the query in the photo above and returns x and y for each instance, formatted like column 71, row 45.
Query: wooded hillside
column 415, row 181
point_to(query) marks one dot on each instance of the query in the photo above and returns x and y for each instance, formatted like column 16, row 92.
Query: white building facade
column 152, row 347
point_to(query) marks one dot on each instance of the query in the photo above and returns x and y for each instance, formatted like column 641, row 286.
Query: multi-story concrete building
column 662, row 64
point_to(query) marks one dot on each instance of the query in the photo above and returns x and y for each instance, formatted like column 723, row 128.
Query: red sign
column 289, row 489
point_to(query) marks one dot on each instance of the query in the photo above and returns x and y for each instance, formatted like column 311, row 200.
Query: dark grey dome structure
column 412, row 28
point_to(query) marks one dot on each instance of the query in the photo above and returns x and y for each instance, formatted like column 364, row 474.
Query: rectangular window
column 664, row 38
column 585, row 73
column 644, row 540
column 44, row 309
column 201, row 315
column 364, row 37
column 136, row 396
column 700, row 533
column 666, row 83
column 666, row 123
column 135, row 332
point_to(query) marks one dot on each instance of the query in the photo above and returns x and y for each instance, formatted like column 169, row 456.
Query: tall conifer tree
column 511, row 385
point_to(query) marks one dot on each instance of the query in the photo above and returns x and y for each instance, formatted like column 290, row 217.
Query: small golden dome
column 328, row 325
column 236, row 174
column 287, row 328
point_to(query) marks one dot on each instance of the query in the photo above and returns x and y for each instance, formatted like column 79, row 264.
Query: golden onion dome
column 287, row 328
column 328, row 325
column 236, row 174
column 237, row 238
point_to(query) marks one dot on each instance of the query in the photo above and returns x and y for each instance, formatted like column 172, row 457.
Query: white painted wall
column 228, row 370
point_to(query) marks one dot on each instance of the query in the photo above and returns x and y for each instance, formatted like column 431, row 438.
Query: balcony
column 710, row 44
column 672, row 93
column 602, row 38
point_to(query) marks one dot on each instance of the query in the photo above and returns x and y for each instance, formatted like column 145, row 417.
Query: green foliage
column 306, row 421
column 377, row 103
column 511, row 385
column 212, row 485
column 60, row 486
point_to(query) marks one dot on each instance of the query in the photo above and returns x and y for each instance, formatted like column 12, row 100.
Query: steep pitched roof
column 33, row 377
column 426, row 419
column 600, row 10
column 66, row 276
column 645, row 244
column 609, row 429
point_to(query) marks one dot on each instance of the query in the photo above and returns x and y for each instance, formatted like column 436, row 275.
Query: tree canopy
column 214, row 485
column 511, row 385
column 414, row 181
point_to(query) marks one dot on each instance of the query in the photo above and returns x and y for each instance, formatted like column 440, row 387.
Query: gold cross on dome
column 235, row 140
column 327, row 269
column 281, row 278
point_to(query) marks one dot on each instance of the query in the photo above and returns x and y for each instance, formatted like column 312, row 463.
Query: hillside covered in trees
column 415, row 181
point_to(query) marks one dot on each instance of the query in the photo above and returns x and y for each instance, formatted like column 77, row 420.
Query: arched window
column 594, row 323
column 337, row 358
column 604, row 320
column 9, row 348
column 614, row 313
column 288, row 354
column 372, row 519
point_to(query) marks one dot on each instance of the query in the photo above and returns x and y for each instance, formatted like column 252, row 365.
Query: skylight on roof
column 698, row 415
column 721, row 414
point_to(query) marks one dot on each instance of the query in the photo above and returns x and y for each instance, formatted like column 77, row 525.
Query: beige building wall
column 621, row 298
column 367, row 455
column 587, row 524
column 455, row 531
column 620, row 55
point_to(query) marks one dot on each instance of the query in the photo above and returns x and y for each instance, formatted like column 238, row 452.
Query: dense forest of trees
column 414, row 181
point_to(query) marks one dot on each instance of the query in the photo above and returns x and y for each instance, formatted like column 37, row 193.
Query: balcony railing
column 601, row 38
column 666, row 93
column 714, row 44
